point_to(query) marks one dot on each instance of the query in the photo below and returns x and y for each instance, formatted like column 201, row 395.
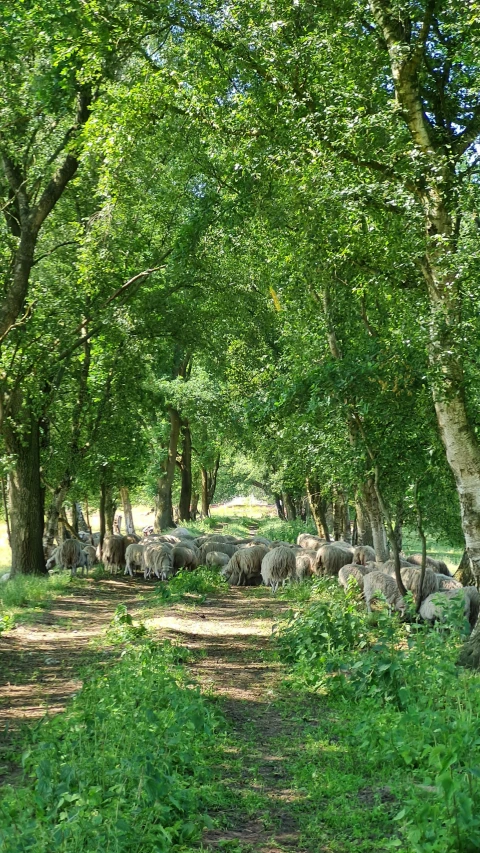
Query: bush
column 415, row 709
column 122, row 769
column 195, row 586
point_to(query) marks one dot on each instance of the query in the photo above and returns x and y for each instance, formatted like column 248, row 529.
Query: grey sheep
column 363, row 554
column 431, row 609
column 447, row 583
column 225, row 548
column 244, row 567
column 438, row 566
column 69, row 555
column 184, row 557
column 304, row 563
column 278, row 566
column 352, row 570
column 310, row 542
column 411, row 580
column 113, row 552
column 216, row 558
column 91, row 554
column 134, row 558
column 261, row 540
column 148, row 557
column 375, row 583
column 331, row 558
column 389, row 566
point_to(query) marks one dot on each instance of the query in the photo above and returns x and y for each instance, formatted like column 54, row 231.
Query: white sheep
column 278, row 566
column 216, row 558
column 363, row 554
column 331, row 558
column 352, row 570
column 432, row 608
column 375, row 583
column 134, row 557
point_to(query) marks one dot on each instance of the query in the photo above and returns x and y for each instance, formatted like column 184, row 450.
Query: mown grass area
column 395, row 762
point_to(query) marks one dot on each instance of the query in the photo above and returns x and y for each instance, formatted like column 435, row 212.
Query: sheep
column 438, row 566
column 278, row 566
column 352, row 570
column 411, row 580
column 162, row 563
column 113, row 552
column 331, row 558
column 184, row 557
column 432, row 608
column 69, row 555
column 224, row 547
column 445, row 583
column 310, row 542
column 95, row 539
column 134, row 557
column 182, row 532
column 131, row 539
column 261, row 540
column 378, row 582
column 389, row 566
column 91, row 553
column 157, row 559
column 304, row 563
column 216, row 558
column 278, row 542
column 244, row 567
column 85, row 537
column 363, row 554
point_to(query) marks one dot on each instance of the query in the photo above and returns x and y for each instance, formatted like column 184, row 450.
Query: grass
column 23, row 596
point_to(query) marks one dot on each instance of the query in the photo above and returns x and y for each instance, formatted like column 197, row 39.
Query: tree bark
column 22, row 441
column 209, row 484
column 186, row 474
column 371, row 504
column 110, row 508
column 194, row 505
column 127, row 510
column 318, row 507
column 101, row 510
column 279, row 506
column 289, row 505
column 163, row 498
column 54, row 511
column 364, row 527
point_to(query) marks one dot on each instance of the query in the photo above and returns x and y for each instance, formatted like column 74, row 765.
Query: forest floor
column 264, row 802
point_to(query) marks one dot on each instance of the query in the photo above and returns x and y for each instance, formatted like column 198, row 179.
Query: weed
column 193, row 586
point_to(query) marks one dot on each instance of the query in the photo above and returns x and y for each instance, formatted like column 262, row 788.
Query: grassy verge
column 123, row 768
column 404, row 718
column 24, row 596
column 190, row 587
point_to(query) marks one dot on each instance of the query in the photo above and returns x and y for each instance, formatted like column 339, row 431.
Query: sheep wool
column 438, row 566
column 244, row 567
column 363, row 554
column 352, row 570
column 278, row 566
column 375, row 583
column 331, row 558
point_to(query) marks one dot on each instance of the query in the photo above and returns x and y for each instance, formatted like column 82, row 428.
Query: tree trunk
column 110, row 508
column 438, row 187
column 24, row 492
column 163, row 498
column 209, row 484
column 127, row 510
column 346, row 527
column 5, row 510
column 289, row 506
column 318, row 508
column 364, row 528
column 186, row 474
column 338, row 516
column 279, row 505
column 370, row 502
column 464, row 572
column 194, row 505
column 101, row 511
column 75, row 519
column 81, row 523
column 54, row 510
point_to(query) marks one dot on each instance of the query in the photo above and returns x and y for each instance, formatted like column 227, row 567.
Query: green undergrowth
column 124, row 768
column 24, row 595
column 191, row 587
column 403, row 708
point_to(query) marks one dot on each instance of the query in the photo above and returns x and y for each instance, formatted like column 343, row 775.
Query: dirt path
column 231, row 636
column 40, row 663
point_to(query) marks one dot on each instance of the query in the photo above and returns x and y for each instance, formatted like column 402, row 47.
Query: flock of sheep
column 257, row 560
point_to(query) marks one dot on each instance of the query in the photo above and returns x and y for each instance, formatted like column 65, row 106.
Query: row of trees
column 233, row 229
